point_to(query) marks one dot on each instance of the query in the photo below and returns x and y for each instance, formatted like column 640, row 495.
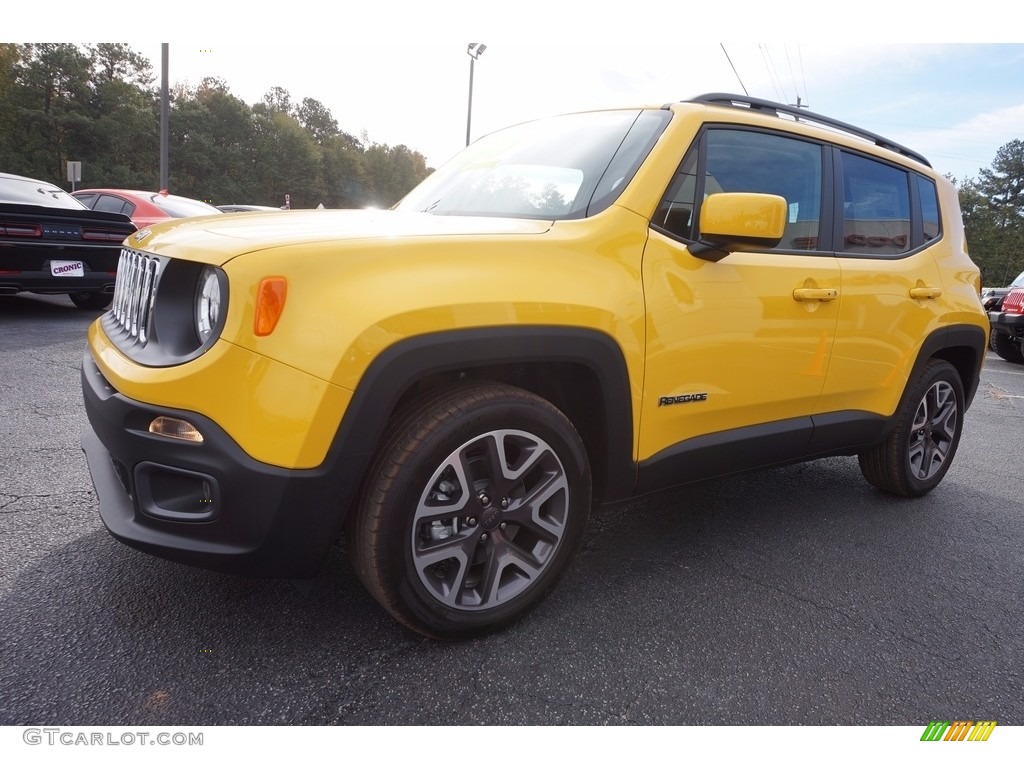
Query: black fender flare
column 940, row 342
column 403, row 364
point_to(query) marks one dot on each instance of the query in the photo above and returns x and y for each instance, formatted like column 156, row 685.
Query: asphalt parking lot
column 796, row 596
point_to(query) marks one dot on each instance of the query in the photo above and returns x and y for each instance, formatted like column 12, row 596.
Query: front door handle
column 815, row 294
column 925, row 292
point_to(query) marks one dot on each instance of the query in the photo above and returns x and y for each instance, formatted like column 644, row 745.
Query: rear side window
column 112, row 204
column 876, row 207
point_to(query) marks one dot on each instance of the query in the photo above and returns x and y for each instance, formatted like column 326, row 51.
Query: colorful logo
column 958, row 730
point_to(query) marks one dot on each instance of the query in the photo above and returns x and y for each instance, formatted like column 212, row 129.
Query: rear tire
column 918, row 452
column 86, row 300
column 473, row 508
column 1007, row 347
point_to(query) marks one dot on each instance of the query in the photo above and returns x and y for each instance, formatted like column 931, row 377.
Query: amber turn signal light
column 270, row 298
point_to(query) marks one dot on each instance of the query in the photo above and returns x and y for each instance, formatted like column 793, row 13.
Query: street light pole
column 165, row 109
column 474, row 50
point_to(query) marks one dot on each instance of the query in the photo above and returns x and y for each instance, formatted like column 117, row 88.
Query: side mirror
column 739, row 221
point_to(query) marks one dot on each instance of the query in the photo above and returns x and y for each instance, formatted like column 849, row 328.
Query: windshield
column 32, row 192
column 1019, row 282
column 559, row 168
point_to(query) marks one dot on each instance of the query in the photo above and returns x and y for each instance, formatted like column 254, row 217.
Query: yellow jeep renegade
column 575, row 310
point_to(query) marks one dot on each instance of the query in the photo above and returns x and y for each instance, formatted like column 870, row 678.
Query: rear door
column 886, row 235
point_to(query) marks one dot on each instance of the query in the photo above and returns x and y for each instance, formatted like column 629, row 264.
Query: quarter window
column 929, row 208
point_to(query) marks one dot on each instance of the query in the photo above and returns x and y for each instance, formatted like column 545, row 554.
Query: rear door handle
column 815, row 294
column 925, row 293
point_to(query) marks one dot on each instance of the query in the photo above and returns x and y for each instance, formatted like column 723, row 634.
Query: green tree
column 286, row 158
column 391, row 172
column 124, row 145
column 211, row 150
column 10, row 56
column 97, row 103
column 993, row 211
column 343, row 173
column 317, row 119
column 51, row 107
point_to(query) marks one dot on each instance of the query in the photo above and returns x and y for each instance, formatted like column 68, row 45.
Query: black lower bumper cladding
column 209, row 504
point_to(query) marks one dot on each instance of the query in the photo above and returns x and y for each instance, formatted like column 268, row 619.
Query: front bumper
column 1007, row 322
column 207, row 504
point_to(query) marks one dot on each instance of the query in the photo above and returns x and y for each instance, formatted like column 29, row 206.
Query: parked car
column 144, row 208
column 579, row 309
column 246, row 208
column 1008, row 326
column 51, row 243
column 992, row 298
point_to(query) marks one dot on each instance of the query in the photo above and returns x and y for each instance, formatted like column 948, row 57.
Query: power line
column 792, row 76
column 769, row 65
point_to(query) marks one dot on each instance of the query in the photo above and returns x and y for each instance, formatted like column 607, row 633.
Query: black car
column 992, row 301
column 51, row 243
column 1007, row 322
column 992, row 298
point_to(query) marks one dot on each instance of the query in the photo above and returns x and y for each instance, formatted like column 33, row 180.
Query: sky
column 399, row 73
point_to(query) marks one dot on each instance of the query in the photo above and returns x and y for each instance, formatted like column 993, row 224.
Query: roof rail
column 803, row 115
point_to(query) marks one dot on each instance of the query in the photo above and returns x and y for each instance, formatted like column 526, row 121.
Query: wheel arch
column 963, row 346
column 582, row 372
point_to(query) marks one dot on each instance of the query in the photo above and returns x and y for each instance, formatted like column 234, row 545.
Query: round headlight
column 208, row 301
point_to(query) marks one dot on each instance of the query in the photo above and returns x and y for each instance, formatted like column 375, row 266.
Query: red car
column 144, row 208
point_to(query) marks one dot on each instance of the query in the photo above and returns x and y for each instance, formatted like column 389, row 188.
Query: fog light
column 166, row 426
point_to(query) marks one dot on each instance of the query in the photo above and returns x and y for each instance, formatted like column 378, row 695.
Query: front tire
column 918, row 452
column 1007, row 347
column 473, row 509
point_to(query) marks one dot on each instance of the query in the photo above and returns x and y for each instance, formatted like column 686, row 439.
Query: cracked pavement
column 792, row 596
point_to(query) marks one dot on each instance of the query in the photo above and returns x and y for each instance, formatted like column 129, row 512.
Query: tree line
column 98, row 104
column 993, row 209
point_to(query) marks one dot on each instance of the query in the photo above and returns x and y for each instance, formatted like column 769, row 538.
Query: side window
column 750, row 161
column 876, row 207
column 929, row 208
column 110, row 204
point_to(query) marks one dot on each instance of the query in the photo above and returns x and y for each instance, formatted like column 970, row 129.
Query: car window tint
column 675, row 213
column 876, row 207
column 750, row 161
column 929, row 208
column 87, row 200
column 109, row 203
